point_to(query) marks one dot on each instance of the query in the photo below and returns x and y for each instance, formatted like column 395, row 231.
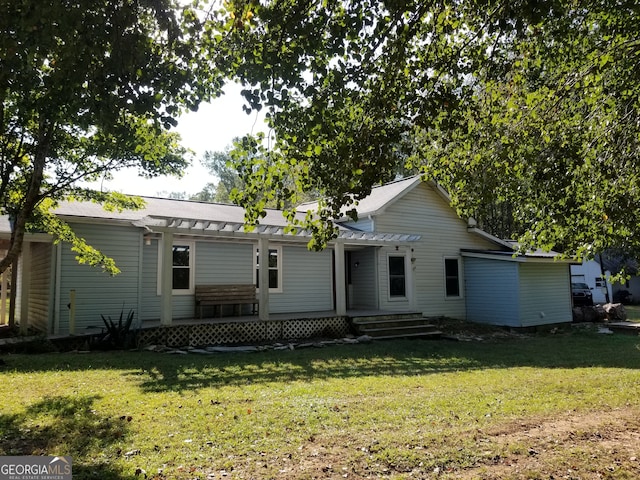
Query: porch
column 279, row 327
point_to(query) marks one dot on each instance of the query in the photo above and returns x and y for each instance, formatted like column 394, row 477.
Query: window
column 182, row 268
column 397, row 277
column 274, row 266
column 451, row 277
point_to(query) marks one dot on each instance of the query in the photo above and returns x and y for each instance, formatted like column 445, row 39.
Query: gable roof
column 210, row 219
column 165, row 207
column 381, row 197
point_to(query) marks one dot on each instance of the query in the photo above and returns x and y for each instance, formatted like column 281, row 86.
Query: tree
column 88, row 88
column 218, row 164
column 527, row 105
column 231, row 186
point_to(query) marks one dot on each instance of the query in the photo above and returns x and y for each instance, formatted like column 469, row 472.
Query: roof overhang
column 518, row 258
column 491, row 238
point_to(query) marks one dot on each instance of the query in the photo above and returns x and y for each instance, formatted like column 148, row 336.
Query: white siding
column 423, row 211
column 307, row 281
column 364, row 224
column 215, row 263
column 545, row 294
column 588, row 272
column 363, row 279
column 150, row 301
column 492, row 291
column 224, row 263
column 306, row 277
column 40, row 292
column 403, row 304
column 98, row 293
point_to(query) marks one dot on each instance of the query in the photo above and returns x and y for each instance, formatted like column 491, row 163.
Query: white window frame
column 398, row 298
column 192, row 273
column 444, row 276
column 278, row 250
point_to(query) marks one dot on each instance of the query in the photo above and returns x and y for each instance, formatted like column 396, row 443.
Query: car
column 623, row 296
column 581, row 294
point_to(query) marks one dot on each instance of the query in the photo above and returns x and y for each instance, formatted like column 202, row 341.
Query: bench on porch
column 219, row 295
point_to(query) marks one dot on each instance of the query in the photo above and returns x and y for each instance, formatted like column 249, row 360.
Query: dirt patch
column 575, row 446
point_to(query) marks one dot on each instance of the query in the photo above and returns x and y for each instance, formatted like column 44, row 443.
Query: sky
column 212, row 127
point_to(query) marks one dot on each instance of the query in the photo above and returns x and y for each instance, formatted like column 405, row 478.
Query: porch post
column 25, row 287
column 263, row 272
column 341, row 297
column 3, row 299
column 166, row 304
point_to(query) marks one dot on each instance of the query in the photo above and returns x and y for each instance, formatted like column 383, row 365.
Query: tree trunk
column 23, row 212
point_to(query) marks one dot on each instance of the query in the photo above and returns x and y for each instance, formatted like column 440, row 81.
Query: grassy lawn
column 633, row 312
column 565, row 405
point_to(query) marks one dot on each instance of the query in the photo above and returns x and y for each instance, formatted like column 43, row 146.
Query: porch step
column 395, row 326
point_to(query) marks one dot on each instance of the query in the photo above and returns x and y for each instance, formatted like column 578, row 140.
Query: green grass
column 633, row 312
column 395, row 409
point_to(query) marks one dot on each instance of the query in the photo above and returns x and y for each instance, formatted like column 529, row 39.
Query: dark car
column 581, row 294
column 623, row 296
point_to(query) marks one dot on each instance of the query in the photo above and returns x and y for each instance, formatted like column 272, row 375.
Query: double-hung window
column 274, row 264
column 452, row 277
column 182, row 268
column 397, row 277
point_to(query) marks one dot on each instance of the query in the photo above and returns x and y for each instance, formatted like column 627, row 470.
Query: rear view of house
column 407, row 252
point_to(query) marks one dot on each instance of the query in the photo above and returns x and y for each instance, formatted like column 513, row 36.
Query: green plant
column 118, row 335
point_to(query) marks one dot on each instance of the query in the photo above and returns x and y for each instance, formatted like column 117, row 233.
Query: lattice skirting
column 244, row 332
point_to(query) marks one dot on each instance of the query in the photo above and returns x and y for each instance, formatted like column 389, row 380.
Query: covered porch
column 346, row 265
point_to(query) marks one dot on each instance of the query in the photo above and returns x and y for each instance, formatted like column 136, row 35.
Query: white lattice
column 202, row 334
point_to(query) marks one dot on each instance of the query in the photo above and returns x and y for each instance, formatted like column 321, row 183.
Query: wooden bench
column 219, row 295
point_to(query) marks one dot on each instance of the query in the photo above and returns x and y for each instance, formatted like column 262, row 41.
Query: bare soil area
column 574, row 446
column 597, row 445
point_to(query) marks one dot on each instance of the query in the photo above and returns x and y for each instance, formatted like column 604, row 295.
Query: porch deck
column 274, row 317
column 250, row 329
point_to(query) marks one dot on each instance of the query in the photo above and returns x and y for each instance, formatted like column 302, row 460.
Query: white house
column 408, row 252
column 591, row 273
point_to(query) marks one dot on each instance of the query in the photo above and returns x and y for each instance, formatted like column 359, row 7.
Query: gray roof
column 202, row 218
column 170, row 208
column 379, row 199
column 514, row 256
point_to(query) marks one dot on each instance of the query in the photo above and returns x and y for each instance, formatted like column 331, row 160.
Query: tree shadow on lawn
column 390, row 358
column 64, row 426
column 156, row 372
